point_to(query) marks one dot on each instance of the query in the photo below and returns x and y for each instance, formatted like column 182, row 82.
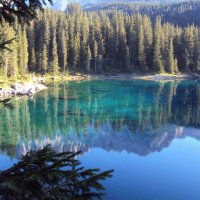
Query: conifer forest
column 101, row 40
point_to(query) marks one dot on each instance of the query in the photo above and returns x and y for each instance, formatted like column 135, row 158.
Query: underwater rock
column 19, row 89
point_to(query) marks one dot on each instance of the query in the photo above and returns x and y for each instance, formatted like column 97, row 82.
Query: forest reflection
column 137, row 116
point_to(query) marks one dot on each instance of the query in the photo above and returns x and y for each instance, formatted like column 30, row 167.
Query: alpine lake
column 147, row 131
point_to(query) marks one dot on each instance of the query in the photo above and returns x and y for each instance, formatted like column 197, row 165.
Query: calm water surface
column 148, row 132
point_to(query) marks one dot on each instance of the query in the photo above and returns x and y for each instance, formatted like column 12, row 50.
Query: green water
column 147, row 131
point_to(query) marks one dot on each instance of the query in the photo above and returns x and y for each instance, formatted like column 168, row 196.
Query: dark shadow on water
column 48, row 175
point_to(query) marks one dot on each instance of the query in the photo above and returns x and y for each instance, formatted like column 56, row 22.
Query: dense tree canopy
column 23, row 11
column 98, row 42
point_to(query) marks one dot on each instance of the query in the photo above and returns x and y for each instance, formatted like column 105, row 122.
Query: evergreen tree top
column 24, row 10
column 46, row 174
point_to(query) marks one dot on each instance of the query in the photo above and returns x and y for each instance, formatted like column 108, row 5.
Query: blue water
column 148, row 132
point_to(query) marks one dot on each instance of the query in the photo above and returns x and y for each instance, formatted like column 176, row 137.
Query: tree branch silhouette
column 23, row 11
column 46, row 174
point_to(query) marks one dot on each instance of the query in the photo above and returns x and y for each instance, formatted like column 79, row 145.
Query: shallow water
column 148, row 132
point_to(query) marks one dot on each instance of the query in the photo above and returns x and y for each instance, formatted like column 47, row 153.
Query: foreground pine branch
column 46, row 174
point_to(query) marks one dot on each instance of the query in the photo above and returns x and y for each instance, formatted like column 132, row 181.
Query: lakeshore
column 153, row 77
column 31, row 85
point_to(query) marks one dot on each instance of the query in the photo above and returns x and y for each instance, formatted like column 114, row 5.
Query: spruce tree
column 25, row 50
column 84, row 37
column 127, row 58
column 197, row 51
column 8, row 56
column 44, row 60
column 46, row 34
column 75, row 52
column 32, row 60
column 141, row 49
column 62, row 43
column 157, row 56
column 64, row 60
column 13, row 69
column 31, row 47
column 95, row 55
column 88, row 59
column 55, row 66
column 148, row 40
column 20, row 51
column 170, row 57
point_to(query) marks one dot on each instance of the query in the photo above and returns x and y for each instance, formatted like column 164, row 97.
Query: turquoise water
column 148, row 132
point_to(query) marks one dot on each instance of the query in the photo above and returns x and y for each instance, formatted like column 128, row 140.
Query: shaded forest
column 180, row 14
column 96, row 42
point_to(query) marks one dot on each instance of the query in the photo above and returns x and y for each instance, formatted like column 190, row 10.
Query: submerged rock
column 40, row 87
column 19, row 89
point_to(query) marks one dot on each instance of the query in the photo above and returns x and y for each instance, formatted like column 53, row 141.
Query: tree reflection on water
column 97, row 114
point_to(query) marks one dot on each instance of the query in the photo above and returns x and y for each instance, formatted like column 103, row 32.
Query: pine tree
column 64, row 53
column 148, row 40
column 20, row 51
column 123, row 49
column 111, row 48
column 13, row 69
column 8, row 56
column 157, row 56
column 62, row 44
column 132, row 40
column 127, row 58
column 55, row 67
column 141, row 49
column 63, row 168
column 31, row 47
column 197, row 51
column 32, row 60
column 44, row 60
column 71, row 36
column 188, row 48
column 25, row 50
column 98, row 35
column 46, row 34
column 88, row 59
column 75, row 51
column 176, row 66
column 84, row 37
column 95, row 55
column 170, row 57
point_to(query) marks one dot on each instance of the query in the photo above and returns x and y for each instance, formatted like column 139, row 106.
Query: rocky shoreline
column 30, row 88
column 34, row 86
column 19, row 89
